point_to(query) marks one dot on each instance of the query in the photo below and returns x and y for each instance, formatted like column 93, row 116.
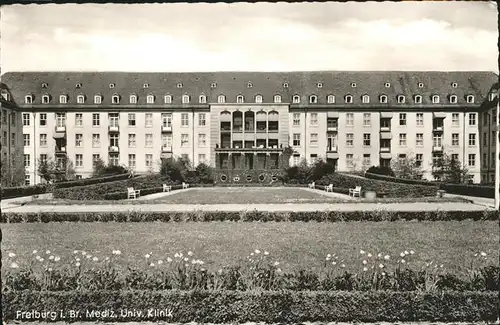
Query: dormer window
column 146, row 85
column 401, row 99
column 133, row 99
column 111, row 86
column 492, row 96
column 97, row 99
column 150, row 99
column 435, row 99
column 203, row 99
column 313, row 99
column 296, row 99
column 453, row 99
column 179, row 85
column 44, row 85
column 63, row 99
column 418, row 99
column 6, row 95
column 454, row 84
column 221, row 99
column 277, row 98
column 239, row 99
column 115, row 99
column 78, row 85
column 249, row 85
column 383, row 99
column 348, row 99
column 387, row 85
column 45, row 99
column 353, row 84
column 80, row 99
column 185, row 99
column 285, row 85
column 330, row 99
column 420, row 85
column 213, row 85
column 258, row 99
column 365, row 99
column 319, row 85
column 168, row 99
column 470, row 99
column 28, row 99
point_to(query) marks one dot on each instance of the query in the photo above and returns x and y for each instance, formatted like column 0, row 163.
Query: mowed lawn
column 247, row 195
column 294, row 245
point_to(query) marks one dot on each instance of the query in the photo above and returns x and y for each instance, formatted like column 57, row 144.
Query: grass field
column 294, row 245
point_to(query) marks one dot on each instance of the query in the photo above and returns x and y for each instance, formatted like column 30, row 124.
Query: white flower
column 169, row 259
column 51, row 257
column 95, row 259
column 475, row 255
column 176, row 255
column 334, row 263
column 77, row 259
column 406, row 253
column 14, row 265
column 186, row 265
column 483, row 254
column 107, row 258
column 383, row 273
column 251, row 254
column 160, row 262
column 369, row 255
column 180, row 255
column 41, row 259
column 327, row 258
column 201, row 262
column 35, row 251
column 365, row 269
column 84, row 253
column 379, row 255
column 441, row 265
column 186, row 259
column 276, row 263
column 364, row 262
column 116, row 252
column 328, row 255
column 202, row 270
column 362, row 252
column 278, row 270
column 343, row 265
column 193, row 262
column 152, row 264
column 402, row 254
column 190, row 253
column 77, row 264
column 147, row 256
column 37, row 257
column 387, row 257
column 381, row 265
column 412, row 252
column 50, row 269
column 75, row 252
column 88, row 256
column 257, row 251
column 47, row 252
column 403, row 261
column 57, row 258
column 266, row 253
column 12, row 255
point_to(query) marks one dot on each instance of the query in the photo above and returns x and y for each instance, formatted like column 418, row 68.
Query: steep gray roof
column 267, row 84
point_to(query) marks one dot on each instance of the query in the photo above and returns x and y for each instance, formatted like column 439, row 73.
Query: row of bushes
column 267, row 306
column 389, row 189
column 249, row 216
column 400, row 180
column 12, row 192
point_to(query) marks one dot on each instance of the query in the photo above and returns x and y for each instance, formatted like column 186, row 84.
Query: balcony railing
column 385, row 128
column 437, row 128
column 166, row 149
column 437, row 147
column 60, row 150
column 332, row 127
column 166, row 128
column 113, row 149
column 385, row 149
column 237, row 129
column 60, row 128
column 113, row 128
column 332, row 148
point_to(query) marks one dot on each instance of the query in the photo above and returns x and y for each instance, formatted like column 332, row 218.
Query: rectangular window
column 314, row 119
column 493, row 138
column 43, row 158
column 419, row 158
column 184, row 140
column 27, row 161
column 485, row 160
column 472, row 159
column 366, row 139
column 367, row 159
column 472, row 139
column 367, row 119
column 13, row 117
column 166, row 140
column 149, row 160
column 13, row 139
column 43, row 140
column 184, row 119
column 314, row 140
column 349, row 159
column 202, row 140
column 419, row 139
column 78, row 140
column 60, row 120
column 26, row 140
column 96, row 119
column 296, row 159
column 454, row 156
column 472, row 119
column 402, row 139
column 166, row 119
column 485, row 139
column 4, row 138
column 493, row 159
column 27, row 180
column 78, row 160
column 78, row 119
column 455, row 119
column 113, row 140
column 131, row 160
column 4, row 116
column 131, row 140
column 437, row 140
column 296, row 119
column 485, row 118
column 131, row 119
column 314, row 158
column 148, row 120
column 202, row 158
column 349, row 119
column 455, row 141
column 202, row 119
column 43, row 119
column 96, row 140
column 95, row 158
column 420, row 119
column 26, row 119
column 296, row 140
column 148, row 140
column 402, row 119
column 349, row 139
column 114, row 159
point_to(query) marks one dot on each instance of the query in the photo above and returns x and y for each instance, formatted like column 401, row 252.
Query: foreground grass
column 294, row 245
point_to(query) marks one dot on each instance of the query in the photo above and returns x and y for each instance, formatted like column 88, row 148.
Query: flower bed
column 246, row 216
column 390, row 189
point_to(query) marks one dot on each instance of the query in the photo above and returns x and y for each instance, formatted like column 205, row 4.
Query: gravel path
column 252, row 323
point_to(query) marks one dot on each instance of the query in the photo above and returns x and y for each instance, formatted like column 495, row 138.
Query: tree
column 381, row 170
column 101, row 170
column 204, row 173
column 12, row 169
column 449, row 170
column 47, row 169
column 407, row 167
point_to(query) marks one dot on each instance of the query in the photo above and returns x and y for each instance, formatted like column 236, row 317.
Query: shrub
column 380, row 170
column 375, row 176
column 265, row 306
column 471, row 190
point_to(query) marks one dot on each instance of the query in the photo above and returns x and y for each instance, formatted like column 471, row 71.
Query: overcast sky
column 263, row 36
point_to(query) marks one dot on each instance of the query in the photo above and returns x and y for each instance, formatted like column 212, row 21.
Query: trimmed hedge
column 13, row 192
column 470, row 190
column 258, row 306
column 248, row 216
column 400, row 180
column 390, row 189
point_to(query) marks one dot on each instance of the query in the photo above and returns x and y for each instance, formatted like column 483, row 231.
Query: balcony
column 437, row 148
column 60, row 129
column 113, row 129
column 113, row 149
column 60, row 150
column 385, row 128
column 332, row 149
column 166, row 149
column 437, row 128
column 166, row 129
column 332, row 128
column 385, row 149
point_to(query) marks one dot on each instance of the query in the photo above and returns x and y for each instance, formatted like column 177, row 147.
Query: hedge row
column 399, row 180
column 249, row 216
column 471, row 190
column 389, row 189
column 265, row 306
column 12, row 192
column 99, row 191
